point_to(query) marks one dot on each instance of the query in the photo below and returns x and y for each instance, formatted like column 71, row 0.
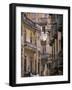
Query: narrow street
column 41, row 44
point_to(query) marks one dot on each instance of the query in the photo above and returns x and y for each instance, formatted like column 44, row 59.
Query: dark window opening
column 25, row 64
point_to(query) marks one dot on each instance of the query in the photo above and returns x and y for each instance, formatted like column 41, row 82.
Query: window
column 38, row 67
column 49, row 65
column 35, row 41
column 59, row 44
column 31, row 64
column 24, row 35
column 31, row 37
column 25, row 63
column 34, row 37
column 35, row 67
column 43, row 29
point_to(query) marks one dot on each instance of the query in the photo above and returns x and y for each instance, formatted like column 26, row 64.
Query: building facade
column 41, row 44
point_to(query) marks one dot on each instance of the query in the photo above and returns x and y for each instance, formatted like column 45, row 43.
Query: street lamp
column 44, row 34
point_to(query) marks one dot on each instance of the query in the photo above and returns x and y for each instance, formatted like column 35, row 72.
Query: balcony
column 46, row 56
column 51, row 41
column 30, row 46
column 31, row 23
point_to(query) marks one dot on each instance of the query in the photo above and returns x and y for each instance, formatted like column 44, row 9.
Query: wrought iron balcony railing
column 30, row 45
column 46, row 56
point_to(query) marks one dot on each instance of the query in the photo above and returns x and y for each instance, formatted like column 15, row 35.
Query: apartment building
column 30, row 47
column 41, row 44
